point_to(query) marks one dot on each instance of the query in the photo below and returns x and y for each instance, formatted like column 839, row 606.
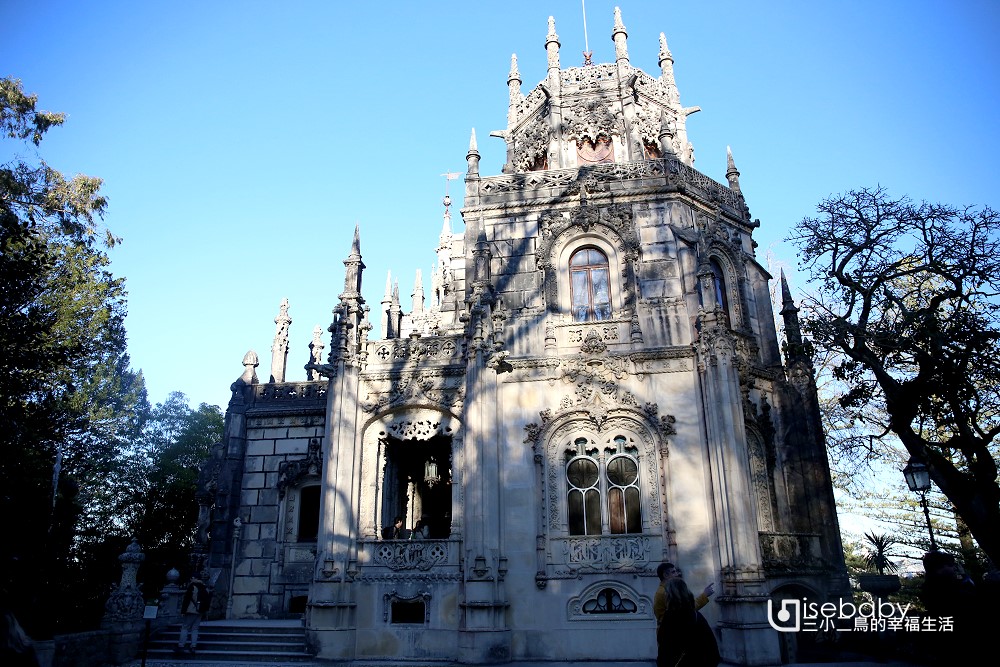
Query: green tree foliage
column 906, row 301
column 69, row 403
column 163, row 511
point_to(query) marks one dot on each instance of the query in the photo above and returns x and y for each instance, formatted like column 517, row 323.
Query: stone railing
column 406, row 351
column 670, row 168
column 411, row 555
column 290, row 392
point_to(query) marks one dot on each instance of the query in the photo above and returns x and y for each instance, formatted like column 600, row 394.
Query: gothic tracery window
column 603, row 489
column 590, row 285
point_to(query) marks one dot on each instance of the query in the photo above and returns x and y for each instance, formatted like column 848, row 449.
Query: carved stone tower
column 592, row 385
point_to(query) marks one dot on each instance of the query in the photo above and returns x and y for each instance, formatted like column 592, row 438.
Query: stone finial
column 418, row 295
column 472, row 157
column 395, row 314
column 667, row 73
column 552, row 45
column 315, row 352
column 664, row 51
column 386, row 300
column 794, row 347
column 279, row 349
column 126, row 602
column 620, row 37
column 514, row 76
column 732, row 175
column 354, row 269
column 250, row 363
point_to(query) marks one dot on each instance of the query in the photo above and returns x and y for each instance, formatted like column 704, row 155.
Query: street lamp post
column 918, row 478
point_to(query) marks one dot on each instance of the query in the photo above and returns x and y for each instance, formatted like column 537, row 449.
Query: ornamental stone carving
column 588, row 120
column 291, row 473
column 532, row 143
column 433, row 388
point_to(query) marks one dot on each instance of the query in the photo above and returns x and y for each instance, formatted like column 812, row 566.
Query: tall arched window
column 607, row 481
column 590, row 286
column 584, row 496
column 721, row 296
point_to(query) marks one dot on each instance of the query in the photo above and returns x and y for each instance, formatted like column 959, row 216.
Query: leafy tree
column 906, row 300
column 68, row 400
column 160, row 508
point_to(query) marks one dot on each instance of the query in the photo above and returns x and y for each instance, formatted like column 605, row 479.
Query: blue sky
column 240, row 142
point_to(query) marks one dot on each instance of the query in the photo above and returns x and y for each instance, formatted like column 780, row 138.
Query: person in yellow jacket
column 666, row 572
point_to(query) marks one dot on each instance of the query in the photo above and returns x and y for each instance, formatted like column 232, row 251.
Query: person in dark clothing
column 194, row 603
column 950, row 594
column 684, row 638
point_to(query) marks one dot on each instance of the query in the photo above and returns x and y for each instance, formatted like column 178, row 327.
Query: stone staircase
column 243, row 642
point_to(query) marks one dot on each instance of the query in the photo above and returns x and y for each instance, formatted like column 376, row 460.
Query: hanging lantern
column 431, row 476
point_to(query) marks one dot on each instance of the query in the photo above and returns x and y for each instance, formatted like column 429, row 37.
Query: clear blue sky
column 240, row 142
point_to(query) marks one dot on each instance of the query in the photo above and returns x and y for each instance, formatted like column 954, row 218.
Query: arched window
column 623, row 495
column 589, row 285
column 721, row 295
column 584, row 499
column 608, row 482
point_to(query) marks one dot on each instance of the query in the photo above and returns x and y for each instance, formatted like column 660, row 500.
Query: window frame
column 602, row 459
column 616, row 284
column 596, row 312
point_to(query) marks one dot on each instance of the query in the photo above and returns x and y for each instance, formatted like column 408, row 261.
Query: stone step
column 266, row 643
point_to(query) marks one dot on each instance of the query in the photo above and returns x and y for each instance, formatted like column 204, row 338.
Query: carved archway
column 393, row 436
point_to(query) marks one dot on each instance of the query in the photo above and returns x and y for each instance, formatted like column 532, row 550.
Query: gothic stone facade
column 591, row 385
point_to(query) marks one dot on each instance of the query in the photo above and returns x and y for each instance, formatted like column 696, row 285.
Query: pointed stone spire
column 619, row 36
column 667, row 73
column 514, row 81
column 732, row 175
column 552, row 48
column 418, row 295
column 395, row 312
column 790, row 314
column 795, row 349
column 472, row 157
column 279, row 349
column 386, row 301
column 354, row 268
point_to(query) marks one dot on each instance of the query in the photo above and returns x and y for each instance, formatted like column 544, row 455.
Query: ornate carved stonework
column 291, row 473
column 433, row 388
column 531, row 143
column 588, row 120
